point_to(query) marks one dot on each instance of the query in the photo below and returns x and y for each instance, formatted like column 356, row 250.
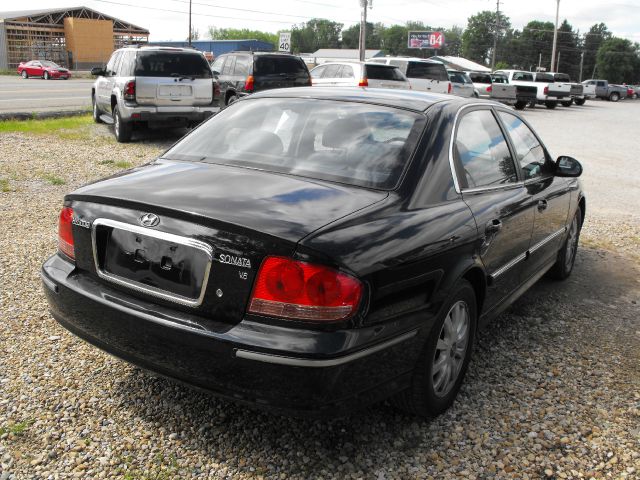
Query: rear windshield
column 523, row 76
column 429, row 71
column 562, row 77
column 384, row 72
column 276, row 65
column 458, row 77
column 353, row 143
column 167, row 64
column 480, row 77
column 544, row 77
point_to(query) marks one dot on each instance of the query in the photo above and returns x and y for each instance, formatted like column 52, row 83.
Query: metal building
column 77, row 38
column 218, row 47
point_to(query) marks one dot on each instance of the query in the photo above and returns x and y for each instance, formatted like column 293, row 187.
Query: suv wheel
column 96, row 110
column 614, row 97
column 520, row 105
column 567, row 254
column 121, row 128
column 580, row 101
column 550, row 104
column 231, row 99
column 567, row 103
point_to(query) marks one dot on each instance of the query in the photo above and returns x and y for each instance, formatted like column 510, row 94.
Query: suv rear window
column 275, row 65
column 429, row 71
column 562, row 77
column 544, row 77
column 347, row 142
column 480, row 77
column 384, row 72
column 458, row 77
column 166, row 64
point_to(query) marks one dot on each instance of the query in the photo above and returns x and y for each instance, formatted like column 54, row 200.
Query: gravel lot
column 553, row 390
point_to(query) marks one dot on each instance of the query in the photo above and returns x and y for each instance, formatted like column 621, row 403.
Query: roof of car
column 411, row 59
column 409, row 99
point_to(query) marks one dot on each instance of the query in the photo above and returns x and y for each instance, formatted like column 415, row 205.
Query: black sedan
column 317, row 250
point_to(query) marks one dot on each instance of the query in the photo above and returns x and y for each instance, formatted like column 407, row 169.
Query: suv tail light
column 364, row 82
column 303, row 291
column 489, row 88
column 130, row 90
column 65, row 232
column 248, row 84
column 449, row 88
column 546, row 90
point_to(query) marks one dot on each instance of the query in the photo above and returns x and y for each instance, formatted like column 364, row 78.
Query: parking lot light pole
column 363, row 30
column 189, row 23
column 555, row 37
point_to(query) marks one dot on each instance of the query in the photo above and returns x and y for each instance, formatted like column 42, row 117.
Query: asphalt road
column 36, row 94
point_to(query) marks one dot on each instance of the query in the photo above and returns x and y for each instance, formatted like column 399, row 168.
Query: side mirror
column 98, row 71
column 568, row 167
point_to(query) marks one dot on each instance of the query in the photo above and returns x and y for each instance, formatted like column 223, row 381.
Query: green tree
column 452, row 42
column 592, row 40
column 314, row 34
column 568, row 51
column 535, row 45
column 617, row 60
column 477, row 39
column 242, row 34
column 351, row 36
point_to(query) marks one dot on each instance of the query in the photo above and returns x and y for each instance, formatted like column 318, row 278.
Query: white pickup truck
column 560, row 90
column 519, row 77
column 576, row 90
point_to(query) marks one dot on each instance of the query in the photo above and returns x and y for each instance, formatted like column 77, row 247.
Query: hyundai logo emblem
column 149, row 220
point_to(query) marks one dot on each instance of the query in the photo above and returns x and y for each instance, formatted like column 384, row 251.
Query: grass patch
column 52, row 179
column 105, row 162
column 4, row 185
column 17, row 428
column 66, row 127
column 123, row 164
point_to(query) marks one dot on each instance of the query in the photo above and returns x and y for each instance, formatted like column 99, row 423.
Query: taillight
column 489, row 89
column 364, row 82
column 546, row 90
column 65, row 232
column 130, row 90
column 303, row 291
column 248, row 84
column 449, row 88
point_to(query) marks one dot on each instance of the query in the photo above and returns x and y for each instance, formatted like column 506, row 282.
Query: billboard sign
column 425, row 40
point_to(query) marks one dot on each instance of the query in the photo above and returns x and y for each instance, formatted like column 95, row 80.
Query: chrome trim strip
column 509, row 186
column 547, row 239
column 453, row 136
column 509, row 265
column 333, row 362
column 139, row 287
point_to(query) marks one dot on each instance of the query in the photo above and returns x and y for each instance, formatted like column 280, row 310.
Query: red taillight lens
column 65, row 232
column 364, row 82
column 130, row 90
column 449, row 88
column 304, row 291
column 489, row 88
column 546, row 90
column 248, row 84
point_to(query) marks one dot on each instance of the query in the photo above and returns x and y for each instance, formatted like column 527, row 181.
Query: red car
column 44, row 69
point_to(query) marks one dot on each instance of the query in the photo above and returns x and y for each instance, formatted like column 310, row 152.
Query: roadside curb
column 42, row 115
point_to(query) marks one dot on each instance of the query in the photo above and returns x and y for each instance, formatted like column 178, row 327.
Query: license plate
column 163, row 265
column 176, row 91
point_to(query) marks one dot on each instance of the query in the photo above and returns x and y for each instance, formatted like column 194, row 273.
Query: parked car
column 525, row 94
column 239, row 74
column 606, row 90
column 527, row 79
column 318, row 249
column 576, row 90
column 153, row 86
column 636, row 91
column 560, row 91
column 484, row 88
column 423, row 74
column 43, row 69
column 358, row 74
column 462, row 85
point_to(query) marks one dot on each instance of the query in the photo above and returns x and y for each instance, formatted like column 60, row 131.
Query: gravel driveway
column 553, row 389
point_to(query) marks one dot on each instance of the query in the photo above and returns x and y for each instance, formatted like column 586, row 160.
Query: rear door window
column 171, row 63
column 242, row 66
column 383, row 72
column 318, row 71
column 228, row 65
column 216, row 67
column 347, row 72
column 332, row 71
column 482, row 152
column 426, row 70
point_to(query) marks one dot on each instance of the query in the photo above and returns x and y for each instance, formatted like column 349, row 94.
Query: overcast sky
column 167, row 19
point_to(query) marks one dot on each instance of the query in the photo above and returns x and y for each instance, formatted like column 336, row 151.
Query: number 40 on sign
column 284, row 45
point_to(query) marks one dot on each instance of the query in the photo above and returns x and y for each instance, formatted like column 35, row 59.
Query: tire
column 428, row 395
column 121, row 129
column 231, row 99
column 567, row 254
column 567, row 103
column 46, row 76
column 24, row 74
column 634, row 96
column 614, row 97
column 550, row 104
column 95, row 110
column 533, row 104
column 580, row 101
column 520, row 105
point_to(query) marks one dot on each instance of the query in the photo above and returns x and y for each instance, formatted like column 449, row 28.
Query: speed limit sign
column 284, row 45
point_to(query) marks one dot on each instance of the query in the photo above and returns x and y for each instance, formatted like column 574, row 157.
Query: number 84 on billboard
column 425, row 40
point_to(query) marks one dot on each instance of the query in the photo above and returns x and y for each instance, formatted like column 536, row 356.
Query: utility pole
column 581, row 63
column 189, row 37
column 558, row 62
column 539, row 60
column 363, row 29
column 495, row 35
column 555, row 36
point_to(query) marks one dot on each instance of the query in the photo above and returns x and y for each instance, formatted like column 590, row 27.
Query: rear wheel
column 532, row 104
column 520, row 105
column 614, row 97
column 580, row 101
column 121, row 129
column 231, row 99
column 96, row 110
column 550, row 104
column 567, row 103
column 443, row 363
column 567, row 254
column 46, row 75
column 24, row 74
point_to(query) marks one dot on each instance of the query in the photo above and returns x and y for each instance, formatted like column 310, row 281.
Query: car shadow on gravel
column 519, row 371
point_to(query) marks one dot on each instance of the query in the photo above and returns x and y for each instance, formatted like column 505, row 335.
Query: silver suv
column 156, row 86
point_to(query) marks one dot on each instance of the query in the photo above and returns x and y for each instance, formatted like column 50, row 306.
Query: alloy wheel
column 572, row 244
column 451, row 349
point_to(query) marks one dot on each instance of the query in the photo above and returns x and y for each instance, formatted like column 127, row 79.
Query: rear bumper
column 287, row 369
column 167, row 114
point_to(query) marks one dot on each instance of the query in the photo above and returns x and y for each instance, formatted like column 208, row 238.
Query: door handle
column 542, row 205
column 494, row 226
